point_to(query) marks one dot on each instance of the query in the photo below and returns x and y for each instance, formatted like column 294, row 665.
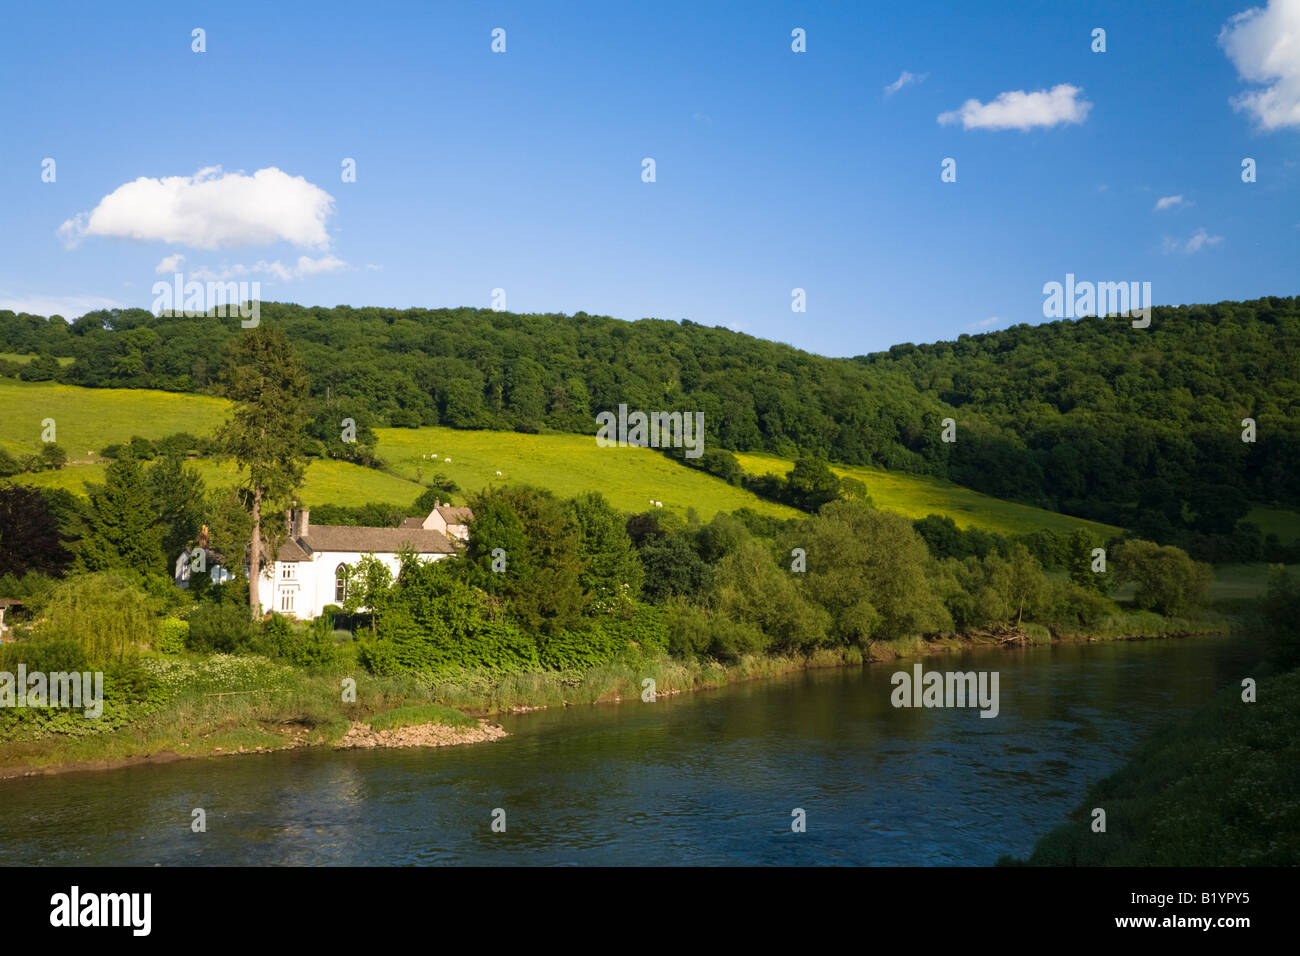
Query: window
column 288, row 571
column 340, row 583
column 286, row 600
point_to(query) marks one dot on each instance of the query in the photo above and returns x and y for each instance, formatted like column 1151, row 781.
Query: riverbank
column 220, row 705
column 1220, row 788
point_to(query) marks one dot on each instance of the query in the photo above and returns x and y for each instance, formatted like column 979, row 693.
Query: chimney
column 203, row 538
column 303, row 523
column 436, row 504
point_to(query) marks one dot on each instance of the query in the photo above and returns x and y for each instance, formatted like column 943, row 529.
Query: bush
column 220, row 627
column 173, row 635
column 106, row 613
column 1074, row 605
column 1168, row 581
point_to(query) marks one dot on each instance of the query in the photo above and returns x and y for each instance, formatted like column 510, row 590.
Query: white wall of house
column 301, row 589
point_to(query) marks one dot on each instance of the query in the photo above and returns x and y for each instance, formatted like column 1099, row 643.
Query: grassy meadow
column 916, row 496
column 566, row 464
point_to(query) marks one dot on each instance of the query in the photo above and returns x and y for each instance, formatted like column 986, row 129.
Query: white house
column 310, row 569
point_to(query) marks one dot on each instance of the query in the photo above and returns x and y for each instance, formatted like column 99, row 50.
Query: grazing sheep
column 659, row 504
column 447, row 460
column 498, row 474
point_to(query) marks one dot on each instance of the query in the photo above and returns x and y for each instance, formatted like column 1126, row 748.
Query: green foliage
column 173, row 636
column 1168, row 581
column 106, row 613
column 368, row 583
column 224, row 628
column 610, row 567
column 868, row 568
column 125, row 532
column 750, row 589
column 543, row 568
column 433, row 621
column 303, row 644
column 52, row 456
column 264, row 434
column 1282, row 617
column 31, row 539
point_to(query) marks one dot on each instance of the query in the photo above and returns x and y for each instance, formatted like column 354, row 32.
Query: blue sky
column 522, row 170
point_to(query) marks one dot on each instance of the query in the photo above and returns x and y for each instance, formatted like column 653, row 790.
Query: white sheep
column 498, row 474
column 447, row 460
column 659, row 504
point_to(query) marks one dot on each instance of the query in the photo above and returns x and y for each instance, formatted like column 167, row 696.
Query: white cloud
column 169, row 264
column 904, row 79
column 305, row 266
column 70, row 307
column 1017, row 109
column 1198, row 240
column 1264, row 46
column 983, row 324
column 1170, row 202
column 211, row 210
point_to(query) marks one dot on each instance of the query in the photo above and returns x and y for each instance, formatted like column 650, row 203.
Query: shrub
column 106, row 613
column 220, row 627
column 173, row 635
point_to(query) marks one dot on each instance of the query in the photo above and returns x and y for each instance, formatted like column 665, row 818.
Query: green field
column 327, row 482
column 23, row 359
column 1285, row 524
column 87, row 419
column 917, row 496
column 566, row 464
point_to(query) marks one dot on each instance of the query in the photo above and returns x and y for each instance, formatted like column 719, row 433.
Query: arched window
column 340, row 583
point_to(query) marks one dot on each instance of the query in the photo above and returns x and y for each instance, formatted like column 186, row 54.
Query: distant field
column 23, row 359
column 1285, row 524
column 327, row 482
column 917, row 496
column 566, row 464
column 87, row 419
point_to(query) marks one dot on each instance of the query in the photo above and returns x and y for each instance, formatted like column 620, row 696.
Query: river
column 706, row 778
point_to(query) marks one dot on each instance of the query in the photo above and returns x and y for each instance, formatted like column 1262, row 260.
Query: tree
column 868, row 569
column 125, row 531
column 1018, row 583
column 264, row 434
column 178, row 493
column 52, row 456
column 1168, row 580
column 107, row 614
column 29, row 533
column 811, row 484
column 610, row 566
column 1079, row 562
column 541, row 569
column 368, row 583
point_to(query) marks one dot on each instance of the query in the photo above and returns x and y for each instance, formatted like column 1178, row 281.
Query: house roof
column 380, row 540
column 449, row 514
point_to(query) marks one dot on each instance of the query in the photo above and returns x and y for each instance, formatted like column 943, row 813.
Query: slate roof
column 455, row 515
column 343, row 538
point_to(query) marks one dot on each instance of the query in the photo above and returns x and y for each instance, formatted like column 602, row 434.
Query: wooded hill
column 1090, row 417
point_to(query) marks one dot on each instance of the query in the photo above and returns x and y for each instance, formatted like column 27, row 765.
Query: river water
column 705, row 778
